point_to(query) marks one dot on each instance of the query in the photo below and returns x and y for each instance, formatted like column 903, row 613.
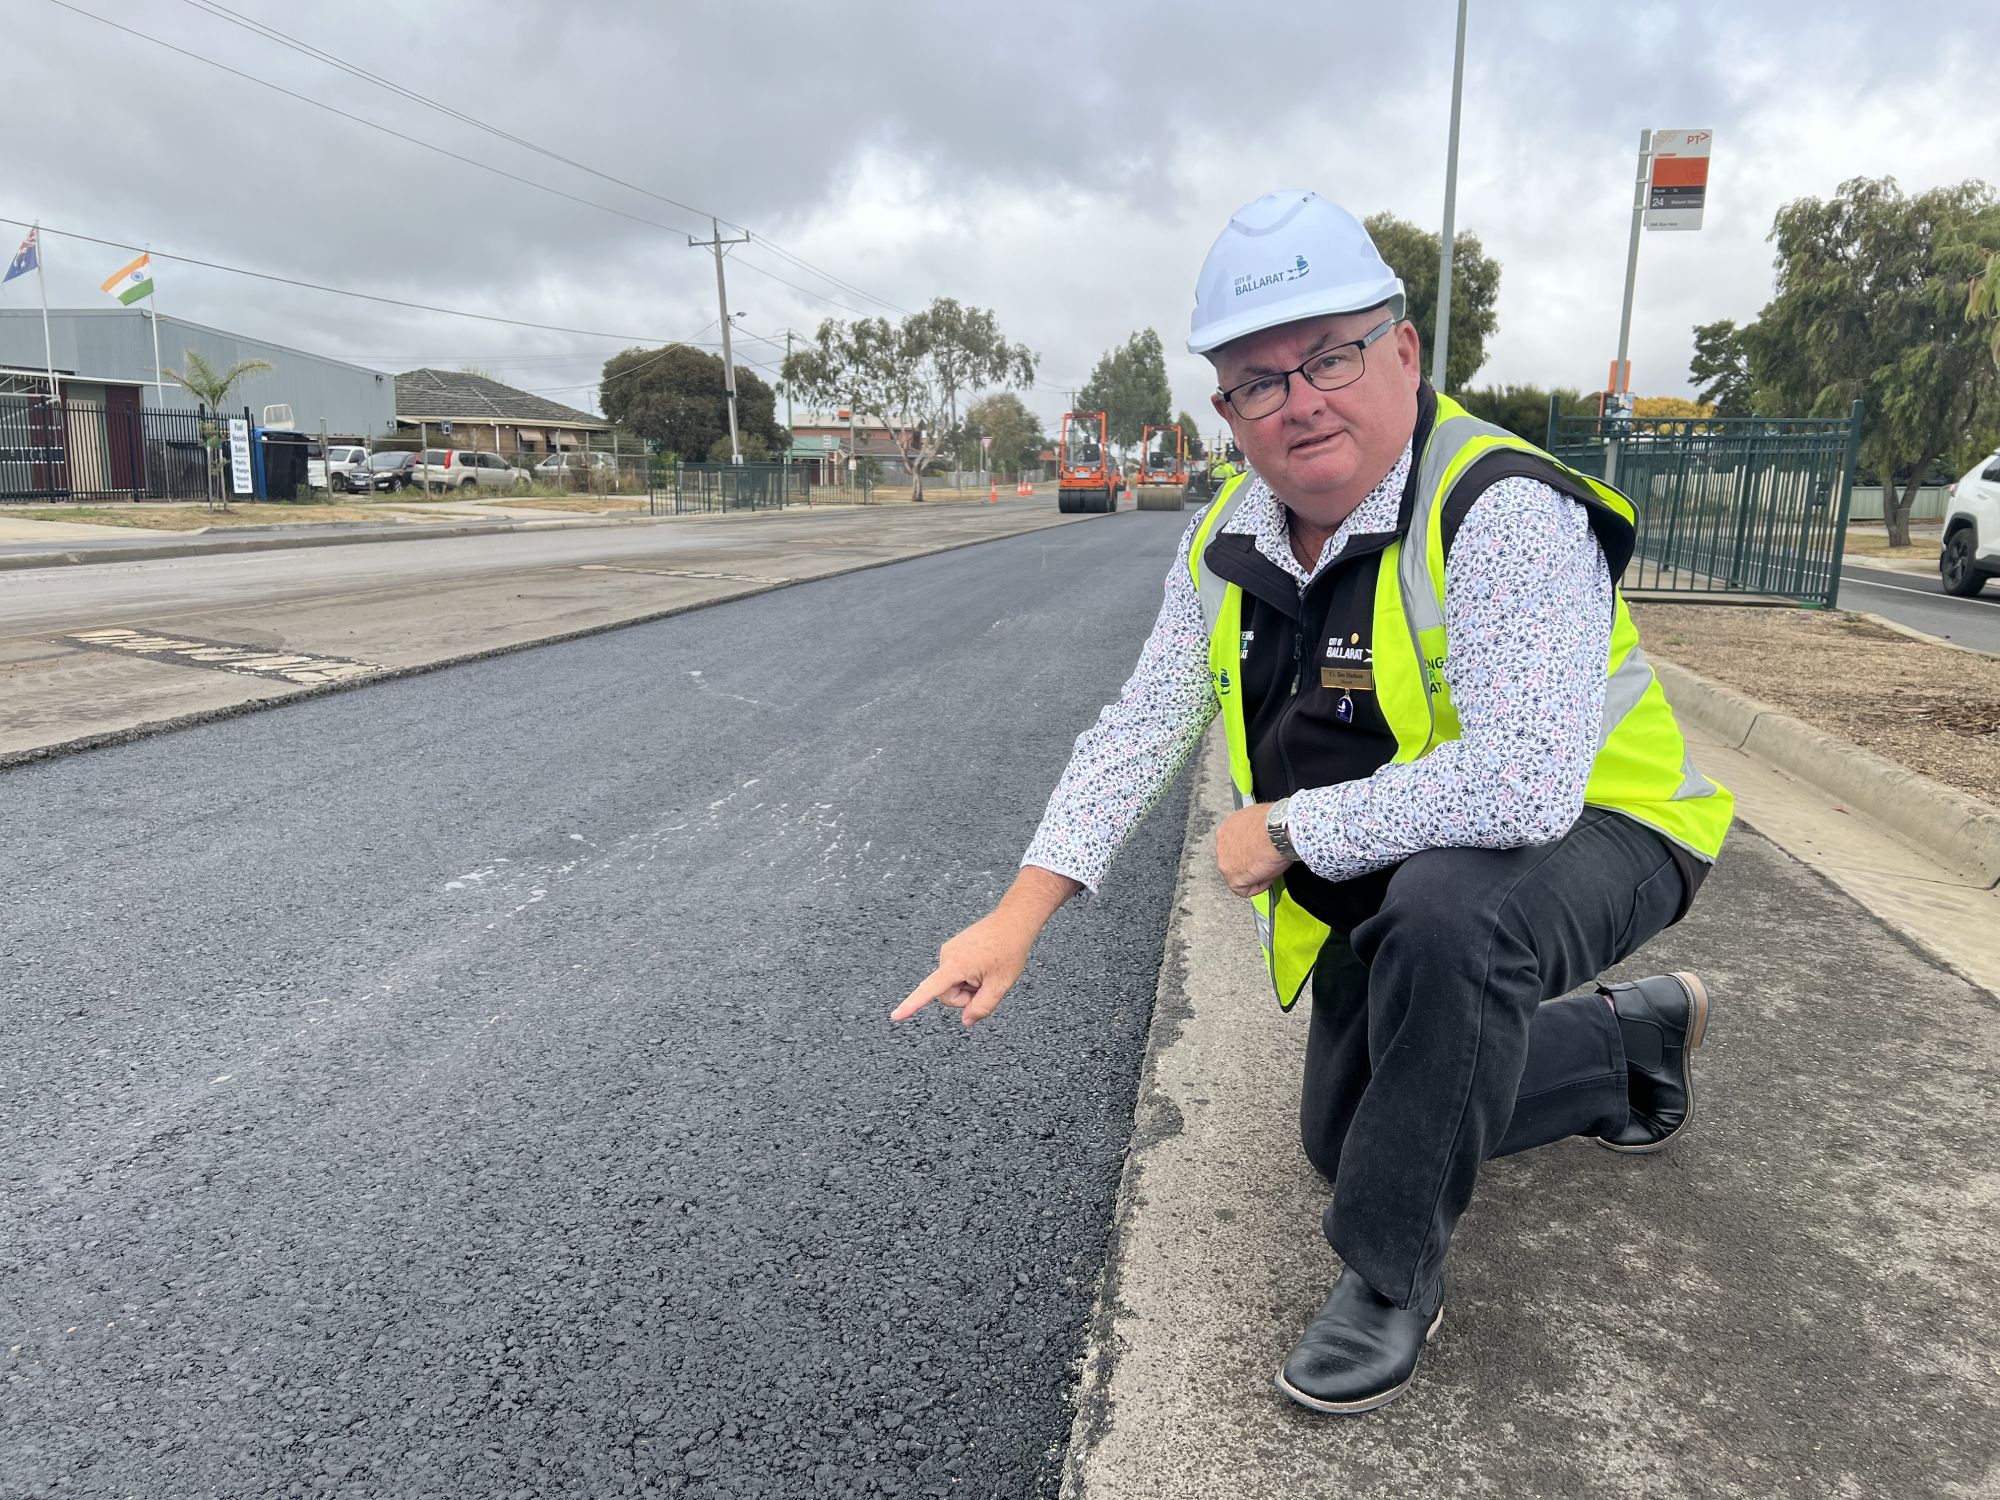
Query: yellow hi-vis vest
column 1642, row 769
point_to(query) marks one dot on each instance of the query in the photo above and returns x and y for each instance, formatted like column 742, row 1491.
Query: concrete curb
column 1960, row 830
column 1155, row 1118
column 152, row 727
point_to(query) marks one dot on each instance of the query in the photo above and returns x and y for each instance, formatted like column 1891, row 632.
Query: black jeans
column 1435, row 1043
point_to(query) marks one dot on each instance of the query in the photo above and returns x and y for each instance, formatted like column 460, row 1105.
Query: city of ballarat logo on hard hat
column 1269, row 278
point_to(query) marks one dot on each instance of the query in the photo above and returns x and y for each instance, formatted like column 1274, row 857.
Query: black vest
column 1306, row 661
column 1308, row 714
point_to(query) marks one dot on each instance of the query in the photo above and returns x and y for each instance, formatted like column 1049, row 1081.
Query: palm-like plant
column 211, row 387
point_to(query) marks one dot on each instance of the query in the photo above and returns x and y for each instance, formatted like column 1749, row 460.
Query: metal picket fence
column 84, row 450
column 677, row 489
column 1728, row 507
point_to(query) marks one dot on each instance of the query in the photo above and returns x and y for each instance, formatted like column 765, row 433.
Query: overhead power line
column 265, row 83
column 591, row 385
column 270, row 33
column 501, row 172
column 694, row 340
column 222, row 12
column 338, row 291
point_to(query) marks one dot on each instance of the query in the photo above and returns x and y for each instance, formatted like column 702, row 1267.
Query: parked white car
column 1970, row 553
column 340, row 461
column 462, row 468
column 575, row 463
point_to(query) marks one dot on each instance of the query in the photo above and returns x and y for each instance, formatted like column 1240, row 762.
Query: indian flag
column 133, row 282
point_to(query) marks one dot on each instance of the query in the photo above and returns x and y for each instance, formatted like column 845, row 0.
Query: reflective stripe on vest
column 1642, row 768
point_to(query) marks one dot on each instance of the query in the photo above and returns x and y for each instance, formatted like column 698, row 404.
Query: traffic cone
column 993, row 492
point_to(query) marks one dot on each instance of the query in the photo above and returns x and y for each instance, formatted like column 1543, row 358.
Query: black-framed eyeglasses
column 1328, row 370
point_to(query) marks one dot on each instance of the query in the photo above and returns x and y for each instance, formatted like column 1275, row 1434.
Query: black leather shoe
column 1358, row 1352
column 1661, row 1019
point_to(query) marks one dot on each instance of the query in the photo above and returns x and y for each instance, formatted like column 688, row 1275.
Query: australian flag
column 26, row 259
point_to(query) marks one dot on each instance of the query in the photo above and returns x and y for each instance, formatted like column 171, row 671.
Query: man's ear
column 1410, row 348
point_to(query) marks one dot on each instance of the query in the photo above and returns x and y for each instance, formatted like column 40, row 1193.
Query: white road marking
column 1924, row 593
column 301, row 668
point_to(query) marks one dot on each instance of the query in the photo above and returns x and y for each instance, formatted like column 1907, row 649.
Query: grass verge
column 199, row 517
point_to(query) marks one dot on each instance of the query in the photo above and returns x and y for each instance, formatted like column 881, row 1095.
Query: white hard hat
column 1285, row 257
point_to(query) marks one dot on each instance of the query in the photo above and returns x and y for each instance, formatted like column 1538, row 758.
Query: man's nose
column 1303, row 399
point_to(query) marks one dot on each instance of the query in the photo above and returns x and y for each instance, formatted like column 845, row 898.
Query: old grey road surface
column 481, row 1084
column 1920, row 602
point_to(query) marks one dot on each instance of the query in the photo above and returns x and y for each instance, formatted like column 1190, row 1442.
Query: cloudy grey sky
column 1065, row 165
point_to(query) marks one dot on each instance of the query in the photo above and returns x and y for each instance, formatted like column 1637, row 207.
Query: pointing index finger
column 922, row 995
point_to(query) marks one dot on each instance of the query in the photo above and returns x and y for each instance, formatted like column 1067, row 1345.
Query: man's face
column 1323, row 451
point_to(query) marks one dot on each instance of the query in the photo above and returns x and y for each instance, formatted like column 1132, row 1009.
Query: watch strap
column 1277, row 823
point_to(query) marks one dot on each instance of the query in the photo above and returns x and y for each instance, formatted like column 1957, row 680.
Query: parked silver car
column 462, row 468
column 573, row 463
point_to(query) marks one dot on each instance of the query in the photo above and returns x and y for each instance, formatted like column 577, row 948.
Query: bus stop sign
column 1678, row 185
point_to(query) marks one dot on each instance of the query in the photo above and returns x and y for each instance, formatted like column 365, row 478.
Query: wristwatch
column 1277, row 825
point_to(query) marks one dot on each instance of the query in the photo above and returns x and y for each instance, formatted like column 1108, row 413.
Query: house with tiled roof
column 483, row 413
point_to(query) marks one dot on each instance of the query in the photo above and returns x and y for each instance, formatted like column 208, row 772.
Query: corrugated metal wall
column 118, row 344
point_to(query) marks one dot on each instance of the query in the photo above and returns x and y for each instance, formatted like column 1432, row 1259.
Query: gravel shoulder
column 1931, row 708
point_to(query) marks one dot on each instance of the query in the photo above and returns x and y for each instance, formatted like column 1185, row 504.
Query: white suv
column 1971, row 551
column 462, row 468
column 573, row 463
column 341, row 460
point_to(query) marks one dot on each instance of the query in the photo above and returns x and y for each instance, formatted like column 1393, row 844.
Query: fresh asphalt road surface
column 1921, row 603
column 481, row 1083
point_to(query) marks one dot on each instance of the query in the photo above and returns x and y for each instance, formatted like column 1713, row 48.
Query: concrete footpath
column 95, row 654
column 52, row 544
column 55, row 544
column 1800, row 1300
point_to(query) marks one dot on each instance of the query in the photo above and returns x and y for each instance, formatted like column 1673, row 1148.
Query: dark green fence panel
column 680, row 489
column 1727, row 506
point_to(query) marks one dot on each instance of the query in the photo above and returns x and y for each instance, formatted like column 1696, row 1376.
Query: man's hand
column 1244, row 852
column 977, row 968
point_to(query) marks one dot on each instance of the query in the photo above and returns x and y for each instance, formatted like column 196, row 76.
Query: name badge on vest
column 1348, row 667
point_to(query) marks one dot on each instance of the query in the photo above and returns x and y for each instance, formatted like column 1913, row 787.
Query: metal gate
column 677, row 489
column 1728, row 507
column 89, row 450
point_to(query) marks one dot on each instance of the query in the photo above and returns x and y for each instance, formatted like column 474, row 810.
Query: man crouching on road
column 1461, row 791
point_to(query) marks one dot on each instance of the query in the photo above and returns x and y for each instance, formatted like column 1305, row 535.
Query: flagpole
column 159, row 381
column 48, row 344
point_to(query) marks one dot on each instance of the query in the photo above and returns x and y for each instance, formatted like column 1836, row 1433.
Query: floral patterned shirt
column 1528, row 604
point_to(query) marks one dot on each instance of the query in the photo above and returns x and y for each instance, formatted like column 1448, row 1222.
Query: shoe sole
column 1697, row 993
column 1367, row 1403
